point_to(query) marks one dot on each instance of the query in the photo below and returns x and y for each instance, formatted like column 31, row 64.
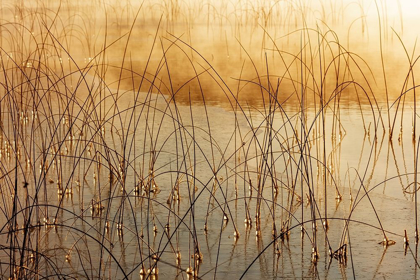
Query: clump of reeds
column 114, row 170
